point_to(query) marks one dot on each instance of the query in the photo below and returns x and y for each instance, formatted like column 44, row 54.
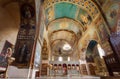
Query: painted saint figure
column 8, row 53
column 24, row 54
column 27, row 11
column 86, row 19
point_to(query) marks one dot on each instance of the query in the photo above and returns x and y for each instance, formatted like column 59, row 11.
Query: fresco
column 49, row 14
column 27, row 11
column 70, row 6
column 28, row 22
column 111, row 15
column 65, row 10
column 102, row 32
column 72, row 11
column 64, row 23
column 6, row 52
column 44, row 51
column 23, row 51
column 60, row 10
column 84, row 17
column 25, row 38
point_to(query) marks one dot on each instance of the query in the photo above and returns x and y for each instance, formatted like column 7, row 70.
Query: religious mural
column 102, row 32
column 26, row 36
column 84, row 17
column 28, row 26
column 6, row 52
column 23, row 53
column 111, row 15
column 27, row 11
column 44, row 51
column 101, row 29
column 69, row 9
column 65, row 24
column 50, row 14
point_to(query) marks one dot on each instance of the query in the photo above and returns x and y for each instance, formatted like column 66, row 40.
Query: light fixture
column 66, row 47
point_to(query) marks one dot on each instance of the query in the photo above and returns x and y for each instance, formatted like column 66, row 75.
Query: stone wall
column 9, row 23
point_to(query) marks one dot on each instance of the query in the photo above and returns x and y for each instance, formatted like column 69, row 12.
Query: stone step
column 110, row 77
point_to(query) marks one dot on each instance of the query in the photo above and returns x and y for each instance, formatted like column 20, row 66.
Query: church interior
column 60, row 39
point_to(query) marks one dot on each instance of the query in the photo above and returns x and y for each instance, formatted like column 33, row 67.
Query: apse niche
column 63, row 35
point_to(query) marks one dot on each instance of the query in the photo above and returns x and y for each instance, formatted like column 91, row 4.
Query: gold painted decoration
column 93, row 9
column 84, row 18
column 44, row 51
column 50, row 13
column 50, row 0
column 85, row 4
column 64, row 25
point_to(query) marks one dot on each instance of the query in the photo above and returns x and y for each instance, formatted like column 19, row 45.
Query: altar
column 57, row 68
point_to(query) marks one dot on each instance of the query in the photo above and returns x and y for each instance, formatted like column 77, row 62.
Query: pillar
column 26, row 40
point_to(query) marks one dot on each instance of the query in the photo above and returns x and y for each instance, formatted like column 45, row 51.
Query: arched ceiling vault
column 67, row 35
column 66, row 20
column 83, row 11
column 62, row 29
column 65, row 23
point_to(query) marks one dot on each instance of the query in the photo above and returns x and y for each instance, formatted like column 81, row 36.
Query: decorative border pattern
column 88, row 5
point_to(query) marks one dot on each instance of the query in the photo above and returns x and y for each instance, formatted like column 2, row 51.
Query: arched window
column 101, row 51
column 60, row 59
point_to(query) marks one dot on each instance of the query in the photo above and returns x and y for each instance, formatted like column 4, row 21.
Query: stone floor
column 70, row 77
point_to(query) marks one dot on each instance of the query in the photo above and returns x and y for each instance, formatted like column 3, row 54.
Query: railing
column 112, row 64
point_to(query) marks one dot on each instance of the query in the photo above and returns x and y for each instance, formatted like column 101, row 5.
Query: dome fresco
column 112, row 15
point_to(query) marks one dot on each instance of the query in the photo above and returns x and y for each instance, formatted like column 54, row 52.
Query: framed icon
column 27, row 11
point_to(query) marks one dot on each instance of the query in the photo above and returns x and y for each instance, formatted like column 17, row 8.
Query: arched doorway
column 94, row 59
